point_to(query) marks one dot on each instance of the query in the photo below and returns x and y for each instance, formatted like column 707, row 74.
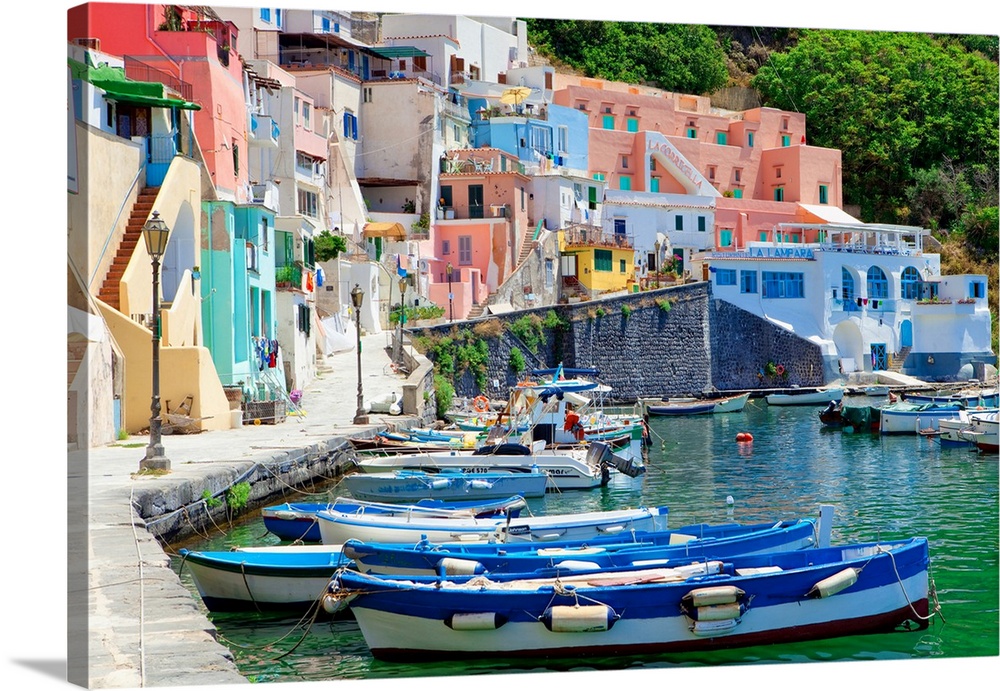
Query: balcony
column 266, row 194
column 877, row 306
column 288, row 277
column 592, row 236
column 138, row 71
column 264, row 131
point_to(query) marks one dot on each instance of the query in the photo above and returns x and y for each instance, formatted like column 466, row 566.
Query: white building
column 867, row 295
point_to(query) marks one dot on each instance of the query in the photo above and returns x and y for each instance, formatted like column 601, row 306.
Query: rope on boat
column 936, row 611
column 247, row 585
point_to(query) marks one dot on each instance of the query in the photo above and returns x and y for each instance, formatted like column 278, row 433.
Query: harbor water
column 881, row 488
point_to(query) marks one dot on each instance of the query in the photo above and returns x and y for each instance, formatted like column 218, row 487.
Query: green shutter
column 823, row 195
column 701, row 224
column 738, row 193
column 602, row 260
column 692, row 133
column 720, row 138
column 654, row 185
column 609, row 122
column 632, row 124
column 750, row 139
column 786, row 140
column 624, row 182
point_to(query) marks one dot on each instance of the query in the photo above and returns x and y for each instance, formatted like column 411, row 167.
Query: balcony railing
column 288, row 276
column 139, row 71
column 878, row 305
column 592, row 236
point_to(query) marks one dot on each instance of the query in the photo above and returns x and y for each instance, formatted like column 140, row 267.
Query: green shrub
column 444, row 392
column 517, row 363
column 626, row 311
column 237, row 496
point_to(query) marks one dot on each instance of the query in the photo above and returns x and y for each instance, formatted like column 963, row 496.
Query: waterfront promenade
column 144, row 628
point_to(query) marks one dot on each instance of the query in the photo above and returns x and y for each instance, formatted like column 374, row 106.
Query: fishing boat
column 336, row 528
column 297, row 520
column 446, row 485
column 680, row 407
column 779, row 597
column 959, row 431
column 664, row 548
column 910, row 418
column 807, row 397
column 876, row 390
column 982, row 398
column 281, row 578
column 731, row 404
column 987, row 441
column 579, row 468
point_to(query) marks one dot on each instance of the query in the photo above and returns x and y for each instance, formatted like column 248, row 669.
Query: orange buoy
column 744, row 437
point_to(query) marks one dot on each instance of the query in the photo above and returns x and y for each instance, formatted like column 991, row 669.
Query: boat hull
column 404, row 622
column 821, row 397
column 405, row 486
column 915, row 421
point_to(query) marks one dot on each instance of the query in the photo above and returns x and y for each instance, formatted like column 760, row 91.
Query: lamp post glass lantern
column 357, row 298
column 156, row 233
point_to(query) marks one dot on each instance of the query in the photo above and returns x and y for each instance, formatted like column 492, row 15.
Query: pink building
column 482, row 229
column 196, row 47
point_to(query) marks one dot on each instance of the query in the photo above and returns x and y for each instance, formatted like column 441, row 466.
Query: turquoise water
column 881, row 487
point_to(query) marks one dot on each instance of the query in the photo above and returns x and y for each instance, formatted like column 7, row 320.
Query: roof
column 384, row 230
column 391, row 52
column 829, row 214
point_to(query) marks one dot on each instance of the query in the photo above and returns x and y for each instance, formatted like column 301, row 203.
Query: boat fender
column 450, row 566
column 440, row 483
column 835, row 583
column 578, row 565
column 568, row 551
column 715, row 595
column 731, row 610
column 714, row 628
column 578, row 618
column 475, row 621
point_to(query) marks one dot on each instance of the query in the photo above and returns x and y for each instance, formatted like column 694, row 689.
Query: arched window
column 878, row 286
column 847, row 289
column 909, row 284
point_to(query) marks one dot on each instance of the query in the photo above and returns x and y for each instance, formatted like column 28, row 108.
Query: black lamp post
column 358, row 297
column 451, row 296
column 398, row 349
column 156, row 233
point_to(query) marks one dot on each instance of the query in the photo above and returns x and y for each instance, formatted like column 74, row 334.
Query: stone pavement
column 142, row 626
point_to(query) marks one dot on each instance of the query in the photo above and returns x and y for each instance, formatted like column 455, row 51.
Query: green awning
column 119, row 89
column 393, row 52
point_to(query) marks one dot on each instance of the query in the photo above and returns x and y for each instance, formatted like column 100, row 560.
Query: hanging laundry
column 320, row 276
column 309, row 281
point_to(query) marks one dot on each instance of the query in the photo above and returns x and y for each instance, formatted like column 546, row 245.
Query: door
column 880, row 360
column 475, row 201
column 906, row 334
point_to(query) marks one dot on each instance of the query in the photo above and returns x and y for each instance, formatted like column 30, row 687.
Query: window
column 621, row 266
column 823, row 195
column 253, row 261
column 737, row 193
column 265, row 14
column 777, row 173
column 692, row 133
column 847, row 290
column 446, row 247
column 784, row 124
column 909, row 284
column 782, row 284
column 563, row 138
column 262, row 240
column 308, row 203
column 582, row 105
column 654, row 184
column 619, row 226
column 602, row 260
column 367, row 94
column 720, row 138
column 711, row 172
column 762, row 236
column 750, row 139
column 624, row 161
column 786, row 140
column 748, row 281
column 541, row 139
column 236, row 158
column 701, row 224
column 678, row 222
column 737, row 174
column 726, row 237
column 878, row 286
column 325, row 25
column 350, row 126
column 652, row 163
column 476, row 209
column 306, row 115
column 464, row 250
column 977, row 289
column 725, row 277
column 624, row 182
column 608, row 122
column 632, row 124
column 446, row 195
column 779, row 194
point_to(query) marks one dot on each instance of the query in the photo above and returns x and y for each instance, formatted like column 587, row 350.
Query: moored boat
column 731, row 404
column 446, row 485
column 907, row 418
column 806, row 397
column 336, row 527
column 297, row 520
column 740, row 601
column 632, row 549
column 682, row 407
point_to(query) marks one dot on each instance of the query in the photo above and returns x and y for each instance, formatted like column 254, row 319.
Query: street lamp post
column 402, row 319
column 358, row 297
column 156, row 233
column 451, row 296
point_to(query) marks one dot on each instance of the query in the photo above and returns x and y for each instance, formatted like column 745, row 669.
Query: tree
column 892, row 103
column 329, row 246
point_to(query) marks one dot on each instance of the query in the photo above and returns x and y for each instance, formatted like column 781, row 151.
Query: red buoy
column 744, row 437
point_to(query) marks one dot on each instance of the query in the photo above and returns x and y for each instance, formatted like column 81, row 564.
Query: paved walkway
column 144, row 627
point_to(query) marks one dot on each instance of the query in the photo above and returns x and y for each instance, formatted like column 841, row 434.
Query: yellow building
column 595, row 262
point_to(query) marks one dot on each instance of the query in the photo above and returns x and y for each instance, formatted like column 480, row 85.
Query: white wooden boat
column 336, row 528
column 877, row 390
column 908, row 418
column 731, row 404
column 815, row 397
column 779, row 597
column 446, row 485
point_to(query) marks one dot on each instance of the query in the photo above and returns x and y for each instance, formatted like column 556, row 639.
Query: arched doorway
column 906, row 334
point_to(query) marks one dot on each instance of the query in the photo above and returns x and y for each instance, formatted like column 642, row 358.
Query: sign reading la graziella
column 675, row 157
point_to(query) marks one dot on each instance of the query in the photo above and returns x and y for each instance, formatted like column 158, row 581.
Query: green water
column 881, row 487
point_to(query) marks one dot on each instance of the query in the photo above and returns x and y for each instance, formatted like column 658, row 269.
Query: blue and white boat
column 779, row 597
column 337, row 528
column 636, row 550
column 281, row 578
column 983, row 398
column 910, row 418
column 297, row 520
column 446, row 485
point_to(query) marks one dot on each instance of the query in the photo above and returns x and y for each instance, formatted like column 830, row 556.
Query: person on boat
column 571, row 423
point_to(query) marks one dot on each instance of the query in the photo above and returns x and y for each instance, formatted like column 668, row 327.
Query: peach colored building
column 482, row 229
column 197, row 48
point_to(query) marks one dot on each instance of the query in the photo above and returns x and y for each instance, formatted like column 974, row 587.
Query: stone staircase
column 526, row 245
column 141, row 210
column 898, row 359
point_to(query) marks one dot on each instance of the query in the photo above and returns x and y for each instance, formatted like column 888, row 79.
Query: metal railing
column 139, row 71
column 592, row 236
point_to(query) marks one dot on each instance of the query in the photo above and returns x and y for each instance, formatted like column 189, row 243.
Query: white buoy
column 730, row 500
